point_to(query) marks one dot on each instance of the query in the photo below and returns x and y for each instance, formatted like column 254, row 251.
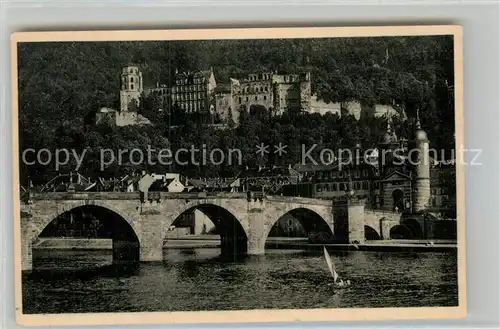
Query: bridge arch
column 400, row 232
column 371, row 233
column 113, row 223
column 312, row 221
column 416, row 229
column 224, row 215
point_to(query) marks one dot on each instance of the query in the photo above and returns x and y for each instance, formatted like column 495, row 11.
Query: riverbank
column 213, row 241
column 73, row 244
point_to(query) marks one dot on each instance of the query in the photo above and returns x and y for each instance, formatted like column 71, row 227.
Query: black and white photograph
column 225, row 171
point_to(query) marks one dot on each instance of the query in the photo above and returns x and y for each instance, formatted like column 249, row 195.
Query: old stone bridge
column 139, row 228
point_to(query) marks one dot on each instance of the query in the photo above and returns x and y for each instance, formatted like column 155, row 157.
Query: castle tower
column 131, row 88
column 421, row 162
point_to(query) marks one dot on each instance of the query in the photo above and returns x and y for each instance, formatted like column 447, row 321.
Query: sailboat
column 331, row 267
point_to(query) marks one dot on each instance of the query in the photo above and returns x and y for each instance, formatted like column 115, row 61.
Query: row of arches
column 99, row 222
column 411, row 229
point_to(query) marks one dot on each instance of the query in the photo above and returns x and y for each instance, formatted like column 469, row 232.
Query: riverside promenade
column 213, row 241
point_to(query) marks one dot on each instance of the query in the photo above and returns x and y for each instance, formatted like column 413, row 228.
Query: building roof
column 223, row 88
column 270, row 171
column 212, row 182
column 192, row 74
column 80, row 183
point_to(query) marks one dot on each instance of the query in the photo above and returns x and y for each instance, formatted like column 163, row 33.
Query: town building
column 443, row 187
column 70, row 182
column 390, row 179
column 170, row 182
column 230, row 184
column 270, row 180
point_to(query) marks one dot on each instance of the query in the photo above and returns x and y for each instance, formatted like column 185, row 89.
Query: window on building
column 342, row 186
column 365, row 172
column 132, row 86
column 341, row 174
column 327, row 187
column 239, row 100
column 356, row 173
column 256, row 98
column 319, row 187
column 131, row 79
column 247, row 98
column 366, row 186
column 265, row 97
column 334, row 187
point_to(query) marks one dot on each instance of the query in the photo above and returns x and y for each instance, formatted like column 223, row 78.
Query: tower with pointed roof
column 421, row 163
column 394, row 179
column 388, row 143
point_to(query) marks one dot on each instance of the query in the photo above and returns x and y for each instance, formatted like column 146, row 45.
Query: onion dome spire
column 418, row 126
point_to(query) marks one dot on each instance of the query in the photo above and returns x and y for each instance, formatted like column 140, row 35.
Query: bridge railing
column 132, row 195
column 155, row 195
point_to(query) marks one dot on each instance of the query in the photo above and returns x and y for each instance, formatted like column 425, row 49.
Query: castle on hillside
column 197, row 92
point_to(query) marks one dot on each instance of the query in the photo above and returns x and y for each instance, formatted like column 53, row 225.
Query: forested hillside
column 61, row 85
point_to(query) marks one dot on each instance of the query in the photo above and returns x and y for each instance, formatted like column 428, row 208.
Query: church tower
column 131, row 88
column 421, row 162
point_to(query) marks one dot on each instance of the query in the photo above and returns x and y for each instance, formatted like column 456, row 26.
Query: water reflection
column 202, row 279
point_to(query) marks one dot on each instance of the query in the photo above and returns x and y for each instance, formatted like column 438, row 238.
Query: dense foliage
column 62, row 84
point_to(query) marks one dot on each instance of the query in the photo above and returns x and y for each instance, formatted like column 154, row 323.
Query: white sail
column 330, row 265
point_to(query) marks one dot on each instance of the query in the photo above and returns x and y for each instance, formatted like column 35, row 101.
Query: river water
column 199, row 279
